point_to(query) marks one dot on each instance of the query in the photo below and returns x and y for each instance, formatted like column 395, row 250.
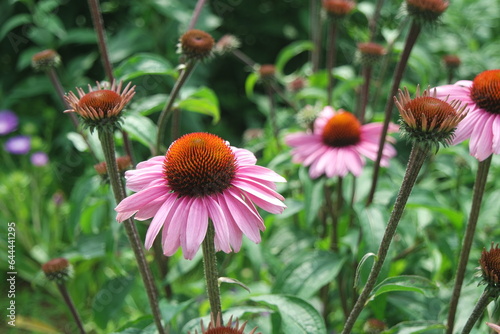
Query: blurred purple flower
column 18, row 145
column 39, row 158
column 8, row 122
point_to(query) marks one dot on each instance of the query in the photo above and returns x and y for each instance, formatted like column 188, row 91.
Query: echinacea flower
column 482, row 123
column 338, row 144
column 8, row 122
column 217, row 327
column 427, row 120
column 338, row 8
column 426, row 11
column 490, row 266
column 18, row 145
column 45, row 60
column 57, row 269
column 100, row 108
column 201, row 178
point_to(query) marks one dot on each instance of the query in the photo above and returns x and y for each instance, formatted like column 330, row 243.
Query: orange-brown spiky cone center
column 490, row 265
column 103, row 99
column 199, row 164
column 486, row 91
column 343, row 129
column 223, row 330
column 430, row 107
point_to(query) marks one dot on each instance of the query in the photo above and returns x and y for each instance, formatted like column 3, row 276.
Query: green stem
column 398, row 75
column 211, row 273
column 415, row 162
column 315, row 26
column 196, row 14
column 334, row 242
column 272, row 115
column 167, row 109
column 477, row 197
column 330, row 57
column 484, row 300
column 108, row 148
column 67, row 299
column 95, row 11
column 367, row 74
column 373, row 20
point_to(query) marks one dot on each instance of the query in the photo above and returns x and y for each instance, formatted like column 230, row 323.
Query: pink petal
column 171, row 236
column 264, row 197
column 353, row 161
column 244, row 157
column 195, row 228
column 481, row 141
column 235, row 234
column 159, row 220
column 220, row 224
column 261, row 173
column 130, row 205
column 246, row 219
column 496, row 134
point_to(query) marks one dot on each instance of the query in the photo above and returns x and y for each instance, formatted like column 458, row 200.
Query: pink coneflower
column 200, row 178
column 482, row 123
column 338, row 144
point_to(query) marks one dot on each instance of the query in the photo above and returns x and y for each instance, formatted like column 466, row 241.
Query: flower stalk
column 167, row 109
column 330, row 57
column 69, row 302
column 486, row 297
column 210, row 268
column 398, row 75
column 478, row 192
column 418, row 155
column 108, row 147
column 95, row 11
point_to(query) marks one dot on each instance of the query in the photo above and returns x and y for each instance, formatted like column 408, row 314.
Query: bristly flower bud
column 426, row 11
column 427, row 120
column 217, row 327
column 370, row 53
column 227, row 44
column 57, row 269
column 307, row 115
column 490, row 266
column 100, row 108
column 45, row 60
column 196, row 44
column 123, row 164
column 338, row 9
column 374, row 326
column 451, row 61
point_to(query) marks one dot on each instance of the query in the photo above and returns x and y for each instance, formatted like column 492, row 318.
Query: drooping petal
column 195, row 228
column 244, row 157
column 137, row 201
column 159, row 221
column 481, row 140
column 171, row 237
column 246, row 219
column 220, row 224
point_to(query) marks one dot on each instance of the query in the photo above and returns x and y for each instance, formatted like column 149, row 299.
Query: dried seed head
column 426, row 11
column 196, row 44
column 370, row 53
column 57, row 269
column 227, row 44
column 338, row 8
column 490, row 266
column 451, row 61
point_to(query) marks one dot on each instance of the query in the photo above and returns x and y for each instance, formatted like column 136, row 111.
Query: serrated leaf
column 109, row 300
column 144, row 64
column 291, row 51
column 307, row 273
column 203, row 101
column 141, row 129
column 405, row 283
column 297, row 315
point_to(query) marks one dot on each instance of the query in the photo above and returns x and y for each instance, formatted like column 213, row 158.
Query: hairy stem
column 398, row 75
column 479, row 186
column 108, row 147
column 67, row 299
column 167, row 109
column 486, row 297
column 211, row 273
column 196, row 13
column 330, row 57
column 415, row 162
column 95, row 11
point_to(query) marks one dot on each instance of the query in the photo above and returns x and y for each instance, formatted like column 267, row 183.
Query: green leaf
column 405, row 283
column 313, row 194
column 307, row 273
column 141, row 129
column 297, row 315
column 109, row 300
column 149, row 104
column 250, row 84
column 203, row 101
column 170, row 310
column 291, row 51
column 144, row 64
column 415, row 327
column 14, row 22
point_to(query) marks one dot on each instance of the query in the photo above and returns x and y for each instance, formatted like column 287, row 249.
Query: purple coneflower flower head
column 18, row 145
column 339, row 144
column 8, row 122
column 482, row 123
column 201, row 178
column 39, row 158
